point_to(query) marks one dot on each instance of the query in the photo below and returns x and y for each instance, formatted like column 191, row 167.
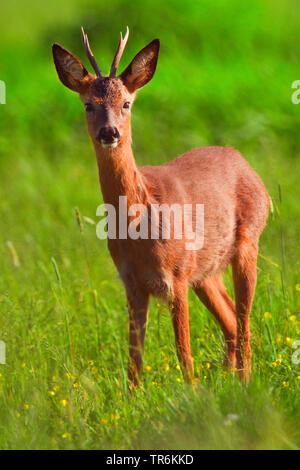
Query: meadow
column 224, row 77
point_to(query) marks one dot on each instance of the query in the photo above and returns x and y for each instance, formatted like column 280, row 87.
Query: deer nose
column 108, row 135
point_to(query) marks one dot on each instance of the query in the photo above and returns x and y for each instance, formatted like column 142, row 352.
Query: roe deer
column 236, row 206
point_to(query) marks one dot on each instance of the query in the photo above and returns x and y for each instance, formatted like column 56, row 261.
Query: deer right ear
column 142, row 68
column 70, row 70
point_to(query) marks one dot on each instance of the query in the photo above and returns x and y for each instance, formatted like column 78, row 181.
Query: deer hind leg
column 180, row 319
column 138, row 303
column 213, row 294
column 244, row 277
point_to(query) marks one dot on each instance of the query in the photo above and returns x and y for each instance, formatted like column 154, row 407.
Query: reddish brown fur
column 236, row 208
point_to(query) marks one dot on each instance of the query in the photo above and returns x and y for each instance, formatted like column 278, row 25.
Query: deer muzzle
column 108, row 136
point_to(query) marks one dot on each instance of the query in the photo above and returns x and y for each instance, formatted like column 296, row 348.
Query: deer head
column 107, row 99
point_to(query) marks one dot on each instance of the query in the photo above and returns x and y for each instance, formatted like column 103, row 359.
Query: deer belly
column 156, row 283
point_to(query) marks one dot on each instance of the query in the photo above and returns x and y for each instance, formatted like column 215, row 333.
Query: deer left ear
column 142, row 68
column 70, row 70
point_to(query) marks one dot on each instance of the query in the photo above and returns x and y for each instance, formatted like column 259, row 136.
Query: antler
column 89, row 54
column 119, row 53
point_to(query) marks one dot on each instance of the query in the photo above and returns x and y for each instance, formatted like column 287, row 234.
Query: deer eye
column 89, row 107
column 126, row 105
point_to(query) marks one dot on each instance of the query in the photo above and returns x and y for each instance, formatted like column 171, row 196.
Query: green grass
column 224, row 77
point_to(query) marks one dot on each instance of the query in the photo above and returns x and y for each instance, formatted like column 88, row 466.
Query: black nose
column 108, row 134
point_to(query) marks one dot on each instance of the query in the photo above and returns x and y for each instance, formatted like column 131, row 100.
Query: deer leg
column 138, row 315
column 244, row 277
column 180, row 319
column 213, row 294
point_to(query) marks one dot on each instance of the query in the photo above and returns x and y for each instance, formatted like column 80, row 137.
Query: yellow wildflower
column 285, row 383
column 63, row 402
column 148, row 368
column 76, row 385
column 51, row 393
column 289, row 341
column 268, row 315
column 293, row 319
column 166, row 367
column 278, row 339
column 104, row 421
column 66, row 435
column 26, row 406
column 277, row 362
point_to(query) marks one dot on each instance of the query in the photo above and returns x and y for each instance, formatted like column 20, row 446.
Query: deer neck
column 119, row 175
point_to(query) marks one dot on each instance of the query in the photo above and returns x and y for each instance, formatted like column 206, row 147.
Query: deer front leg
column 138, row 314
column 180, row 319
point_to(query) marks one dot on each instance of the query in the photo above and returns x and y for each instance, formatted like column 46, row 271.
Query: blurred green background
column 224, row 77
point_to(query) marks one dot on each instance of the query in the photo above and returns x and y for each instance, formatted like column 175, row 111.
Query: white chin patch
column 112, row 145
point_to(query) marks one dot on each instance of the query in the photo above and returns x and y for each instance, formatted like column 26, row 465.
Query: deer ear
column 142, row 68
column 70, row 70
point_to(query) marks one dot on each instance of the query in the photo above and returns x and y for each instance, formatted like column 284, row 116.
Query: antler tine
column 89, row 53
column 120, row 50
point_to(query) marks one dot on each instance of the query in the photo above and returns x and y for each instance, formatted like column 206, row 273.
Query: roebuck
column 235, row 202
